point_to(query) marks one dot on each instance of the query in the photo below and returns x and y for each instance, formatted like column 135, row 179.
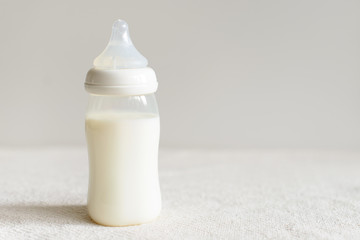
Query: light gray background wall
column 232, row 73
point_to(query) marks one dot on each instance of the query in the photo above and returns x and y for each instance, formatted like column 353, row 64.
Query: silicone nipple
column 120, row 52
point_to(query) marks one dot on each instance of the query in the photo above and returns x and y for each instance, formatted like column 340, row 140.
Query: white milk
column 123, row 154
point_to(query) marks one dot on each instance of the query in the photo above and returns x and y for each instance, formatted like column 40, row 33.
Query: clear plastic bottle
column 122, row 130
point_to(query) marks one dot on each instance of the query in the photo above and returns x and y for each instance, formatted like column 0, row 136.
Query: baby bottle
column 122, row 131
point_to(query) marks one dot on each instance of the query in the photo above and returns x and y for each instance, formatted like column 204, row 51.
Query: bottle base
column 122, row 225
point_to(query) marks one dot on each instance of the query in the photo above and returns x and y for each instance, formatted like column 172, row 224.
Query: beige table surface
column 207, row 194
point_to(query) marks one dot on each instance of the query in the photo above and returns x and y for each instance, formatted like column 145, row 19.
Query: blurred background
column 232, row 74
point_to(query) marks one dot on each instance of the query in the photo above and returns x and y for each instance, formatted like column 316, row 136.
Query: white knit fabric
column 207, row 194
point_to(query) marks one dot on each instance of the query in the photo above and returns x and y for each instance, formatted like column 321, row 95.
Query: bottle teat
column 120, row 52
column 120, row 70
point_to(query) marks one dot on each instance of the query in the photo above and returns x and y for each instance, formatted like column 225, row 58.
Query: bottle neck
column 113, row 103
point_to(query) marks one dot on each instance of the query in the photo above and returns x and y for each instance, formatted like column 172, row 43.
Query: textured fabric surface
column 207, row 194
